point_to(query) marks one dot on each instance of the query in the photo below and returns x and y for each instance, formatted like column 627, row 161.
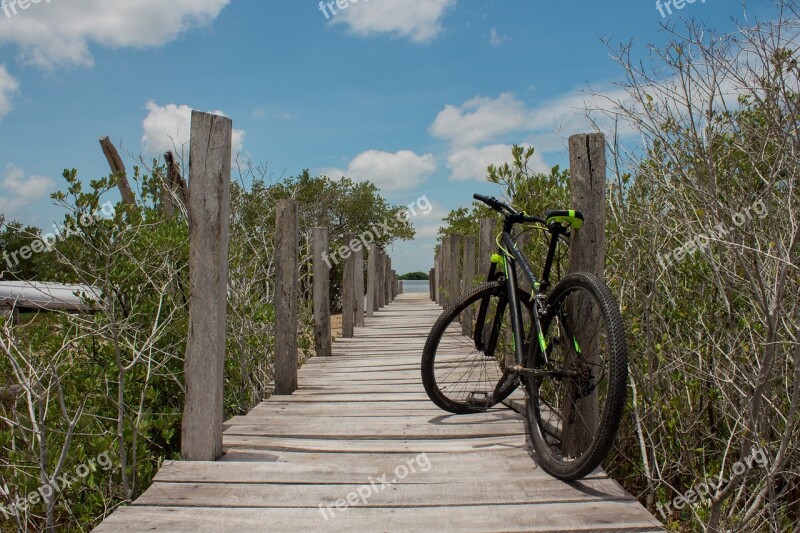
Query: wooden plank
column 448, row 492
column 596, row 517
column 209, row 205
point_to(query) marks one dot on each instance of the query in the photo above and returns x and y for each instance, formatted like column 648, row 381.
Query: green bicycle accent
column 571, row 218
column 577, row 347
column 542, row 342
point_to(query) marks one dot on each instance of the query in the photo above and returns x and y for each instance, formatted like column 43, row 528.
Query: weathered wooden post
column 487, row 245
column 287, row 253
column 445, row 277
column 454, row 276
column 359, row 286
column 432, row 284
column 470, row 260
column 204, row 364
column 372, row 281
column 348, row 289
column 440, row 275
column 587, row 159
column 322, row 301
column 381, row 279
column 388, row 277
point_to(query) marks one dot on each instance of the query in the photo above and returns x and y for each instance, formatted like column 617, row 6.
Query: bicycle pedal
column 479, row 400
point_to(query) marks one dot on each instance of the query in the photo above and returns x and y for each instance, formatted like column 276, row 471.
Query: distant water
column 416, row 286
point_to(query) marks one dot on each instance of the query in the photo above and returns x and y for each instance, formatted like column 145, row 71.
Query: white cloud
column 20, row 190
column 390, row 172
column 8, row 87
column 428, row 225
column 168, row 128
column 480, row 120
column 417, row 20
column 470, row 164
column 58, row 33
column 495, row 39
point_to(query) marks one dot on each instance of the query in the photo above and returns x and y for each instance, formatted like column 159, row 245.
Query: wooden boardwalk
column 361, row 426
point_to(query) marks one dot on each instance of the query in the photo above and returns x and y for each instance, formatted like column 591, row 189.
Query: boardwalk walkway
column 361, row 418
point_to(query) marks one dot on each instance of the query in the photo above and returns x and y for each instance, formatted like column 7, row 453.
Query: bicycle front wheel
column 464, row 364
column 577, row 397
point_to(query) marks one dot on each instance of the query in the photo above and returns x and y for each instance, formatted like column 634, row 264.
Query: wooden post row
column 204, row 364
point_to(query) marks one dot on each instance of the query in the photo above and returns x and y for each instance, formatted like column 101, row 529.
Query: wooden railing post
column 381, row 278
column 322, row 302
column 204, row 364
column 287, row 253
column 372, row 281
column 444, row 282
column 587, row 158
column 388, row 278
column 487, row 245
column 470, row 259
column 348, row 289
column 432, row 284
column 454, row 267
column 359, row 287
column 437, row 283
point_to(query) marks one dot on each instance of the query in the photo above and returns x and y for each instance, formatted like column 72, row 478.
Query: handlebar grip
column 484, row 199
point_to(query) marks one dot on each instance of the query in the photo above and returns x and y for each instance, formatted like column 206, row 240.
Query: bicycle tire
column 453, row 396
column 569, row 440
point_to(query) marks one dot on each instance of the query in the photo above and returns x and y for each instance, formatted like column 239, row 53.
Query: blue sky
column 417, row 95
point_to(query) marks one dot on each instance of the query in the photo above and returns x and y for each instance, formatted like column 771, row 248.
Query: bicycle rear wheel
column 576, row 403
column 466, row 374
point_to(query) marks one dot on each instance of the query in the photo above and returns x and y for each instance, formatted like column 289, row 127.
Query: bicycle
column 565, row 346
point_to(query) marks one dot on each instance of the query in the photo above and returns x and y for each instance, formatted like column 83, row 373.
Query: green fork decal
column 577, row 346
column 542, row 342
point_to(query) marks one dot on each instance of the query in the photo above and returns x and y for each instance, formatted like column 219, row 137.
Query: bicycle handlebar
column 515, row 215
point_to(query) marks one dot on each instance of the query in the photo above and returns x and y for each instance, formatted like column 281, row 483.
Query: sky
column 418, row 96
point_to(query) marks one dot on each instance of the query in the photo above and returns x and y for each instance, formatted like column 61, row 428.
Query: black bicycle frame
column 511, row 255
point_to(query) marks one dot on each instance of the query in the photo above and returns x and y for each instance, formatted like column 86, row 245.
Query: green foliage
column 118, row 371
column 415, row 276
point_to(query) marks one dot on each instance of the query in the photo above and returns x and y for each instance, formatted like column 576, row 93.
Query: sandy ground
column 336, row 326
